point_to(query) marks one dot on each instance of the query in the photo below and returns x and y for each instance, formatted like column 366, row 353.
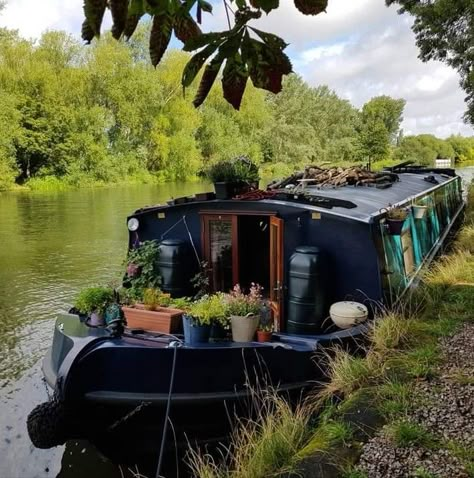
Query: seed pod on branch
column 186, row 28
column 265, row 5
column 234, row 81
column 94, row 12
column 311, row 7
column 119, row 9
column 160, row 37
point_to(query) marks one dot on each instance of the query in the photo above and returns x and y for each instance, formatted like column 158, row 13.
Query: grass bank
column 375, row 395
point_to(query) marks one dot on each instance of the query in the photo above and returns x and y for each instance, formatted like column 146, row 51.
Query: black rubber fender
column 47, row 424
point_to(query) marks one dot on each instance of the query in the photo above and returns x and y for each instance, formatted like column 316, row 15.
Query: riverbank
column 268, row 172
column 403, row 408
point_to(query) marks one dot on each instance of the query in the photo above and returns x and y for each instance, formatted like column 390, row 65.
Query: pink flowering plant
column 241, row 304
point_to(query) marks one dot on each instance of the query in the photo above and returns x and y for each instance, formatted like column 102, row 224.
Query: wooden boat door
column 276, row 271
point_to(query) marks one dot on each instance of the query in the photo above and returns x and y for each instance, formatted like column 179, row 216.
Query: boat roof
column 358, row 203
column 369, row 201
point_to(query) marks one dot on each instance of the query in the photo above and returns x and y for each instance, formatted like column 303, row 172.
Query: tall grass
column 389, row 332
column 347, row 373
column 261, row 446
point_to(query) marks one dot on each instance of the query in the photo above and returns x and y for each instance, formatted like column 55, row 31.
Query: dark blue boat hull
column 116, row 389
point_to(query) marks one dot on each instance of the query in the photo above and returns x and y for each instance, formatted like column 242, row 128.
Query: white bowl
column 347, row 314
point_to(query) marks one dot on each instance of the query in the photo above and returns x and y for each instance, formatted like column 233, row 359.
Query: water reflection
column 52, row 245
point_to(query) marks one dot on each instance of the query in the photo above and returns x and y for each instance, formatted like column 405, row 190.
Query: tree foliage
column 102, row 113
column 444, row 31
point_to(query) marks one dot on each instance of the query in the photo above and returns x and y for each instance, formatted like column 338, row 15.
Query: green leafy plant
column 240, row 169
column 142, row 270
column 154, row 298
column 240, row 304
column 200, row 281
column 182, row 303
column 94, row 299
column 209, row 309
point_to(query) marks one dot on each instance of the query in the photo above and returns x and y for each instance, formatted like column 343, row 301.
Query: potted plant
column 265, row 326
column 200, row 317
column 396, row 217
column 141, row 267
column 153, row 313
column 419, row 210
column 93, row 302
column 233, row 177
column 244, row 312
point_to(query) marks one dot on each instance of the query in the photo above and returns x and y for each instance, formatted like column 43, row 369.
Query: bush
column 94, row 299
column 237, row 170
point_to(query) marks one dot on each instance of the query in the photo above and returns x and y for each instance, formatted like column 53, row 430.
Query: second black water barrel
column 176, row 266
column 306, row 291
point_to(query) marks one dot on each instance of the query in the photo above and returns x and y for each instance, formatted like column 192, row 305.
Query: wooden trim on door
column 276, row 270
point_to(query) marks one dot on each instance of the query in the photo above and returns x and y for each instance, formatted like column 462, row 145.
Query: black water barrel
column 306, row 291
column 176, row 266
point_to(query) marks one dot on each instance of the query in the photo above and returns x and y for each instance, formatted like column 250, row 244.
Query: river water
column 51, row 246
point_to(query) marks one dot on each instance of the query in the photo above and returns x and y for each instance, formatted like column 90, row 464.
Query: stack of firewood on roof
column 335, row 177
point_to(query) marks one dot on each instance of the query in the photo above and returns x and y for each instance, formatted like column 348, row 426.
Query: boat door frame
column 276, row 279
column 276, row 271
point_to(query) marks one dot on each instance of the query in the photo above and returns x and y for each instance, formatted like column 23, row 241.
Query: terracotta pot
column 243, row 327
column 165, row 319
column 264, row 336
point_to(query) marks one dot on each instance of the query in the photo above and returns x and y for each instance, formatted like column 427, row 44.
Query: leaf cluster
column 240, row 169
column 244, row 52
column 144, row 258
column 94, row 299
column 209, row 309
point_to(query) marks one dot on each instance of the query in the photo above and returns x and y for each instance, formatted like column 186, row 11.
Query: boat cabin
column 308, row 246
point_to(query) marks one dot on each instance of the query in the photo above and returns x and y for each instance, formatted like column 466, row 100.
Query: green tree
column 374, row 141
column 423, row 149
column 387, row 110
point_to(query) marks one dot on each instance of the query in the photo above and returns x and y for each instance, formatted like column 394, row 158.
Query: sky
column 359, row 48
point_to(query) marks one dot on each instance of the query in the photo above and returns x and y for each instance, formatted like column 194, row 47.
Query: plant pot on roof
column 200, row 318
column 395, row 220
column 93, row 302
column 244, row 312
column 233, row 177
column 419, row 211
column 154, row 314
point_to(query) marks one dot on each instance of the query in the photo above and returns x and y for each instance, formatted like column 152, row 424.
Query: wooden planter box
column 164, row 319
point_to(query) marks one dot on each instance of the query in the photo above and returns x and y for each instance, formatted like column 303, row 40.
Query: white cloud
column 359, row 48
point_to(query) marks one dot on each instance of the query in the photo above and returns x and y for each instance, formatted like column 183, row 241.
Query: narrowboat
column 308, row 246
